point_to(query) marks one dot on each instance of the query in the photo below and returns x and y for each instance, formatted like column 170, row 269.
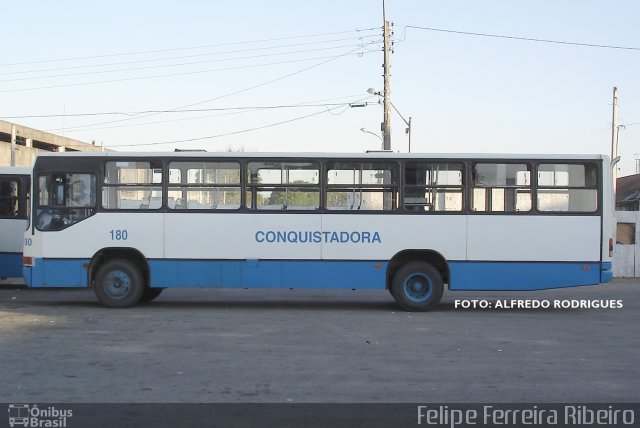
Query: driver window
column 64, row 199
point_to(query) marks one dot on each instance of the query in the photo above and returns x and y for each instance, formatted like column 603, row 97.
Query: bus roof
column 15, row 170
column 317, row 155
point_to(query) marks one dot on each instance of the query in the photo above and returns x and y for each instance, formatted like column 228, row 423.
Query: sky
column 283, row 75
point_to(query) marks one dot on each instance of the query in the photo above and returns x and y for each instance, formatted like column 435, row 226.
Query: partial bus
column 129, row 225
column 15, row 187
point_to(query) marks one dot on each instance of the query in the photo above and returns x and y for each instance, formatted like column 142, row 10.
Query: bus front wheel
column 417, row 286
column 119, row 284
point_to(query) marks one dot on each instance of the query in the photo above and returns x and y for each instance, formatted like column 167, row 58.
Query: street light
column 366, row 131
column 407, row 130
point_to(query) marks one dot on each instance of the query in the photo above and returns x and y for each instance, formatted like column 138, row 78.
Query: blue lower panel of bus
column 268, row 274
column 522, row 275
column 224, row 273
column 11, row 265
column 57, row 273
column 326, row 274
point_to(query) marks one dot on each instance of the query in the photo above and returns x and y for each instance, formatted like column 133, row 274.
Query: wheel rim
column 417, row 287
column 117, row 284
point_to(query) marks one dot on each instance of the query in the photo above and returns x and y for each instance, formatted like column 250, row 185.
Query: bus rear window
column 567, row 187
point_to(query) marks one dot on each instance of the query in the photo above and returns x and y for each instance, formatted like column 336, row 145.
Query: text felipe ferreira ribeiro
column 489, row 415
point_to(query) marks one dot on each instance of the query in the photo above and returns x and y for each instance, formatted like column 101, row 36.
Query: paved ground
column 316, row 346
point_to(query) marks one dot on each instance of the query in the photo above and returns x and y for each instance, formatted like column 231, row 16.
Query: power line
column 268, row 82
column 209, row 137
column 241, row 67
column 528, row 39
column 202, row 117
column 188, row 48
column 188, row 56
column 122, row 113
column 229, row 94
column 181, row 64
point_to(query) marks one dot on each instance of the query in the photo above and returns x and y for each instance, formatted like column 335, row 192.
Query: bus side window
column 433, row 186
column 501, row 187
column 283, row 185
column 365, row 186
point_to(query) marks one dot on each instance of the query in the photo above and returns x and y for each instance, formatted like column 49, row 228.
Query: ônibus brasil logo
column 26, row 415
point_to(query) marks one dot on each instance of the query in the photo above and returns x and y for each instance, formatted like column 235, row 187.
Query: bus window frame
column 98, row 165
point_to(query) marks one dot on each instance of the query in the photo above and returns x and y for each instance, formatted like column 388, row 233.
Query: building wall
column 626, row 256
column 32, row 141
column 24, row 155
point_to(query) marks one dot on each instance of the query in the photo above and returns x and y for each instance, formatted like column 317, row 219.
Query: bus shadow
column 22, row 298
column 291, row 305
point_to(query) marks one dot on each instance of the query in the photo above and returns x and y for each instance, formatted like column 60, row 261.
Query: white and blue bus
column 15, row 186
column 131, row 224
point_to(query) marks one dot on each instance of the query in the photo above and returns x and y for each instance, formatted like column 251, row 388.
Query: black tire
column 417, row 286
column 150, row 294
column 119, row 284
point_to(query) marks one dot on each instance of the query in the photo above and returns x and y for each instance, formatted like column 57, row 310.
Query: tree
column 291, row 196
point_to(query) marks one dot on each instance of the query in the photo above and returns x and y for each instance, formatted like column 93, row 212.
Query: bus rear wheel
column 119, row 284
column 417, row 286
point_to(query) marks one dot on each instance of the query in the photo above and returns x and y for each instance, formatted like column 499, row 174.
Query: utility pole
column 386, row 124
column 614, row 138
column 409, row 133
column 13, row 145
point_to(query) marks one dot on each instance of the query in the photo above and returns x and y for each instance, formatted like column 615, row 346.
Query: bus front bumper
column 27, row 272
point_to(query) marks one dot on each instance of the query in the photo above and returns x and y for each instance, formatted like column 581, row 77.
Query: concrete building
column 626, row 262
column 628, row 193
column 19, row 145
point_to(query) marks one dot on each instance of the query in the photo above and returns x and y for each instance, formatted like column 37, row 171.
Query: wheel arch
column 111, row 253
column 432, row 257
